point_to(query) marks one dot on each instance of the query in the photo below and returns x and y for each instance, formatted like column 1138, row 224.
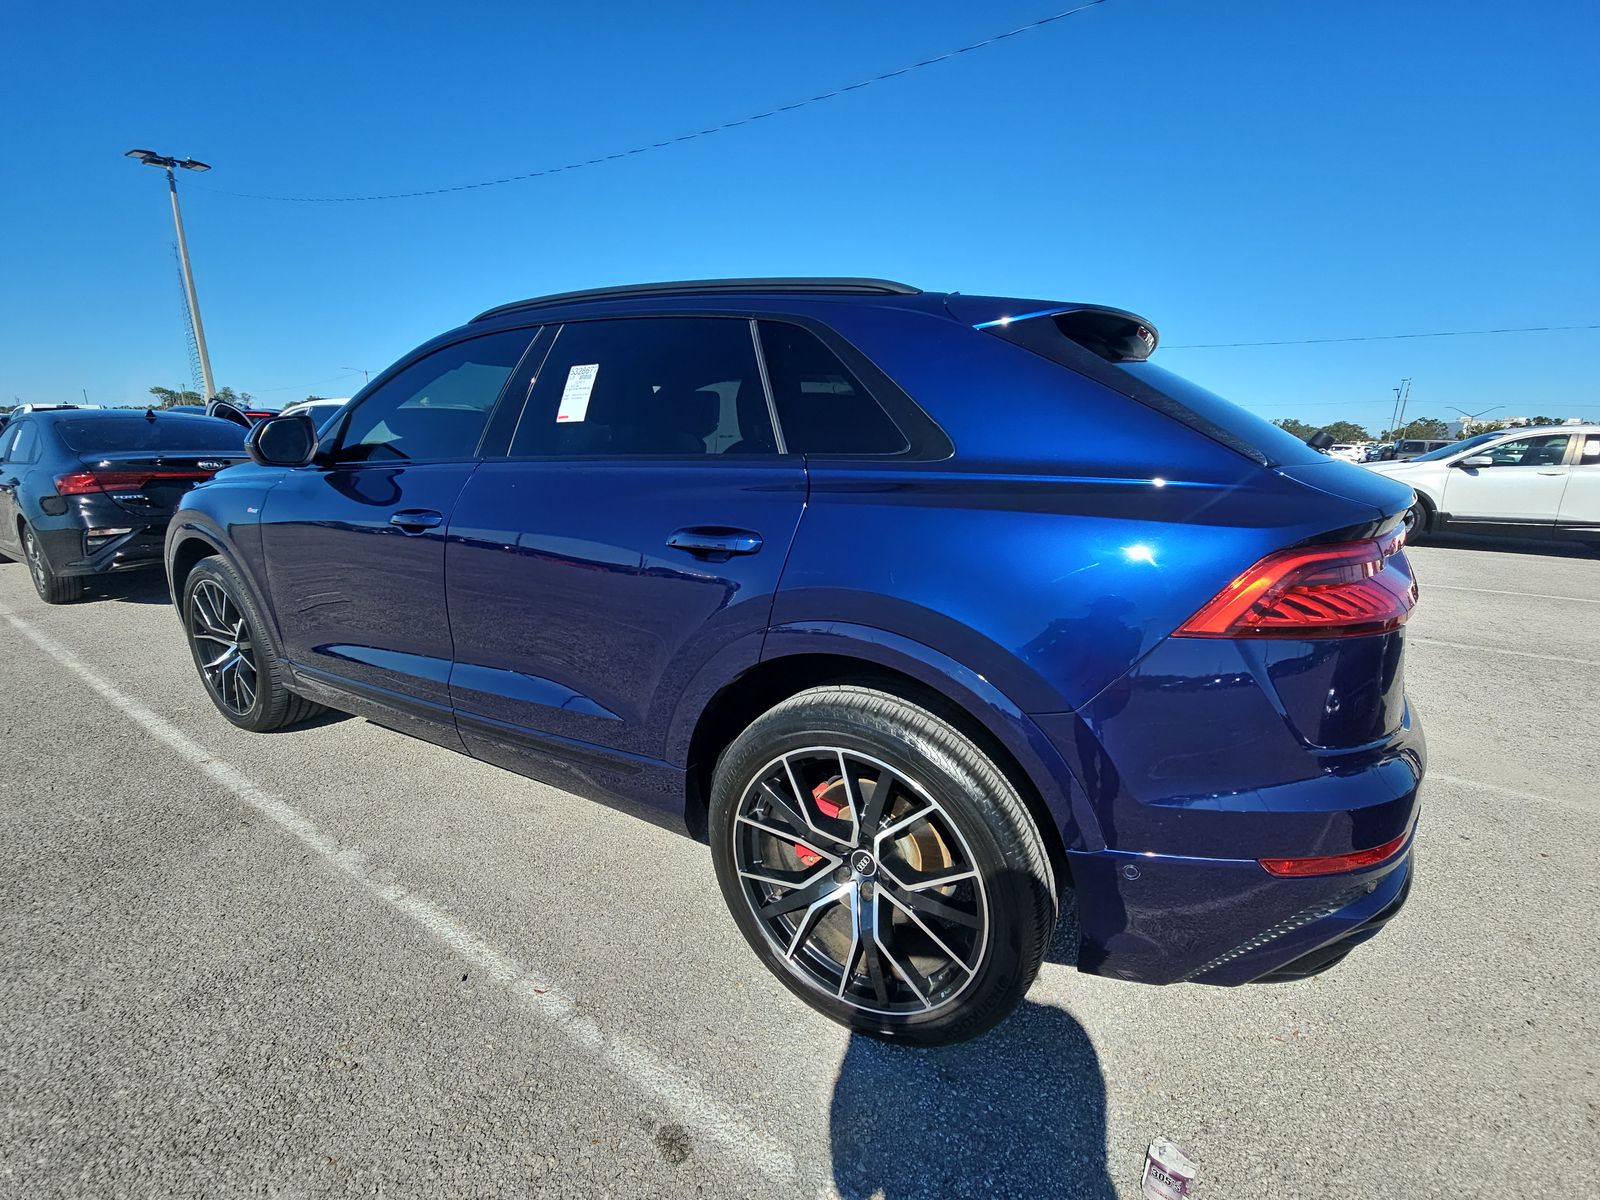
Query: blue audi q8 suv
column 931, row 613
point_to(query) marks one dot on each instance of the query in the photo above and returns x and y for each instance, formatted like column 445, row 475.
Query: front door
column 354, row 545
column 636, row 529
column 1523, row 486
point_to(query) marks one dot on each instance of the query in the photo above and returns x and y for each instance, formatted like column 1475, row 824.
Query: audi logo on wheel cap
column 862, row 863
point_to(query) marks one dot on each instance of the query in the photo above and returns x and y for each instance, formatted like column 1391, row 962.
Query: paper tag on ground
column 1168, row 1172
column 575, row 396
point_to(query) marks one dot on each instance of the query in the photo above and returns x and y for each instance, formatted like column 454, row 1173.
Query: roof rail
column 690, row 287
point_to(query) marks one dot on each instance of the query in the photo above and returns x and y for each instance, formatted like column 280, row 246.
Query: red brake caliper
column 810, row 858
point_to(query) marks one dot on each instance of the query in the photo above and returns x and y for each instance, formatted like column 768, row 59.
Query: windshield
column 100, row 435
column 1454, row 448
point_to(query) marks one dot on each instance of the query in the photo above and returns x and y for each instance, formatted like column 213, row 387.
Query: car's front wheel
column 881, row 865
column 233, row 651
column 52, row 588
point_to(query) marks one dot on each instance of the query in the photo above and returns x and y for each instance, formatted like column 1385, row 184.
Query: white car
column 1348, row 451
column 320, row 410
column 1540, row 480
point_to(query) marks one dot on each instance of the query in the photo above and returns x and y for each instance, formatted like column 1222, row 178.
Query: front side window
column 641, row 386
column 1550, row 451
column 822, row 407
column 435, row 409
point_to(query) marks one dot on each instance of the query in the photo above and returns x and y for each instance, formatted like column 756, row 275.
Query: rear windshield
column 1277, row 445
column 97, row 435
column 1062, row 340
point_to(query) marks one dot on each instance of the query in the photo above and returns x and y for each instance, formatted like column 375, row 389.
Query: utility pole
column 1401, row 395
column 151, row 159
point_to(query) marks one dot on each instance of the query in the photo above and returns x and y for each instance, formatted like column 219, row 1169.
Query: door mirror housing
column 288, row 441
column 1474, row 461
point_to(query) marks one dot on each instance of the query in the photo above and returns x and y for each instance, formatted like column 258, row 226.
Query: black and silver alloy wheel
column 233, row 650
column 880, row 864
column 52, row 588
column 862, row 881
column 225, row 649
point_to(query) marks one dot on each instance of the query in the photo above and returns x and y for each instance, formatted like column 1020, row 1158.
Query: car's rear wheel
column 232, row 647
column 881, row 865
column 52, row 588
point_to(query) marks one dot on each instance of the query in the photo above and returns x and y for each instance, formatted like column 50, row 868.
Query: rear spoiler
column 1108, row 333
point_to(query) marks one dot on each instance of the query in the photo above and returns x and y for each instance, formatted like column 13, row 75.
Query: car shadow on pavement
column 136, row 587
column 1020, row 1111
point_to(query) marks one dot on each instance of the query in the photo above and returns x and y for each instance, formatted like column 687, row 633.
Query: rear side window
column 25, row 449
column 627, row 387
column 92, row 435
column 436, row 408
column 822, row 407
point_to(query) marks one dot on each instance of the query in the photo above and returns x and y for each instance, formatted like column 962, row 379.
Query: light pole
column 151, row 159
column 365, row 377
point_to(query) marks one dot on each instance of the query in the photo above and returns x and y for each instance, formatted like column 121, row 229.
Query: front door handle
column 715, row 542
column 1560, row 472
column 416, row 520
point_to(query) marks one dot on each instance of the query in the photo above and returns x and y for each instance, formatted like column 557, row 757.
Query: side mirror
column 289, row 441
column 1474, row 461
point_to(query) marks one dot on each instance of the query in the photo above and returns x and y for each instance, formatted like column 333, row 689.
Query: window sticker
column 575, row 396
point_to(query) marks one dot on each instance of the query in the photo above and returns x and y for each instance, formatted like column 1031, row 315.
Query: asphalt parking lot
column 337, row 961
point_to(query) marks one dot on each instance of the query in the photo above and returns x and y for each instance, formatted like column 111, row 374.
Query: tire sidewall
column 212, row 571
column 954, row 775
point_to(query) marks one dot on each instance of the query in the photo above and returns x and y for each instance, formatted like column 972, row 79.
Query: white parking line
column 1511, row 793
column 1560, row 658
column 745, row 1145
column 1456, row 587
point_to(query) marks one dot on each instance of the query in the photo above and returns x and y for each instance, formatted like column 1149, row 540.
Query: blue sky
column 1236, row 170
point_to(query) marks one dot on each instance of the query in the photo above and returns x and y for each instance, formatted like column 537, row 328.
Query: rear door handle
column 416, row 520
column 715, row 541
column 1560, row 472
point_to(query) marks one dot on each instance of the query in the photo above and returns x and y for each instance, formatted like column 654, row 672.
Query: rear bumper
column 70, row 555
column 1159, row 918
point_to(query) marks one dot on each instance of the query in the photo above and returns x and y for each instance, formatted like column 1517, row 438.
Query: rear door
column 635, row 528
column 1580, row 503
column 10, row 482
column 1523, row 486
column 354, row 545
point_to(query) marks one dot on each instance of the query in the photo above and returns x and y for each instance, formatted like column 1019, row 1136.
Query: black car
column 85, row 491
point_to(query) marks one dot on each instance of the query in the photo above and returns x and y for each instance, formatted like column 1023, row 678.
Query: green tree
column 1299, row 428
column 1546, row 420
column 1347, row 431
column 168, row 397
column 1422, row 427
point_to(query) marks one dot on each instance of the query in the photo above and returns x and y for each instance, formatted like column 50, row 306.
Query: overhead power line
column 1385, row 337
column 1030, row 27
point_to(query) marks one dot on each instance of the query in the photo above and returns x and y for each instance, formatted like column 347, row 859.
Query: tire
column 52, row 588
column 1419, row 520
column 238, row 660
column 840, row 901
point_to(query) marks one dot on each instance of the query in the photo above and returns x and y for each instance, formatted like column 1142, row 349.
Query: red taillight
column 83, row 483
column 1333, row 864
column 1345, row 590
